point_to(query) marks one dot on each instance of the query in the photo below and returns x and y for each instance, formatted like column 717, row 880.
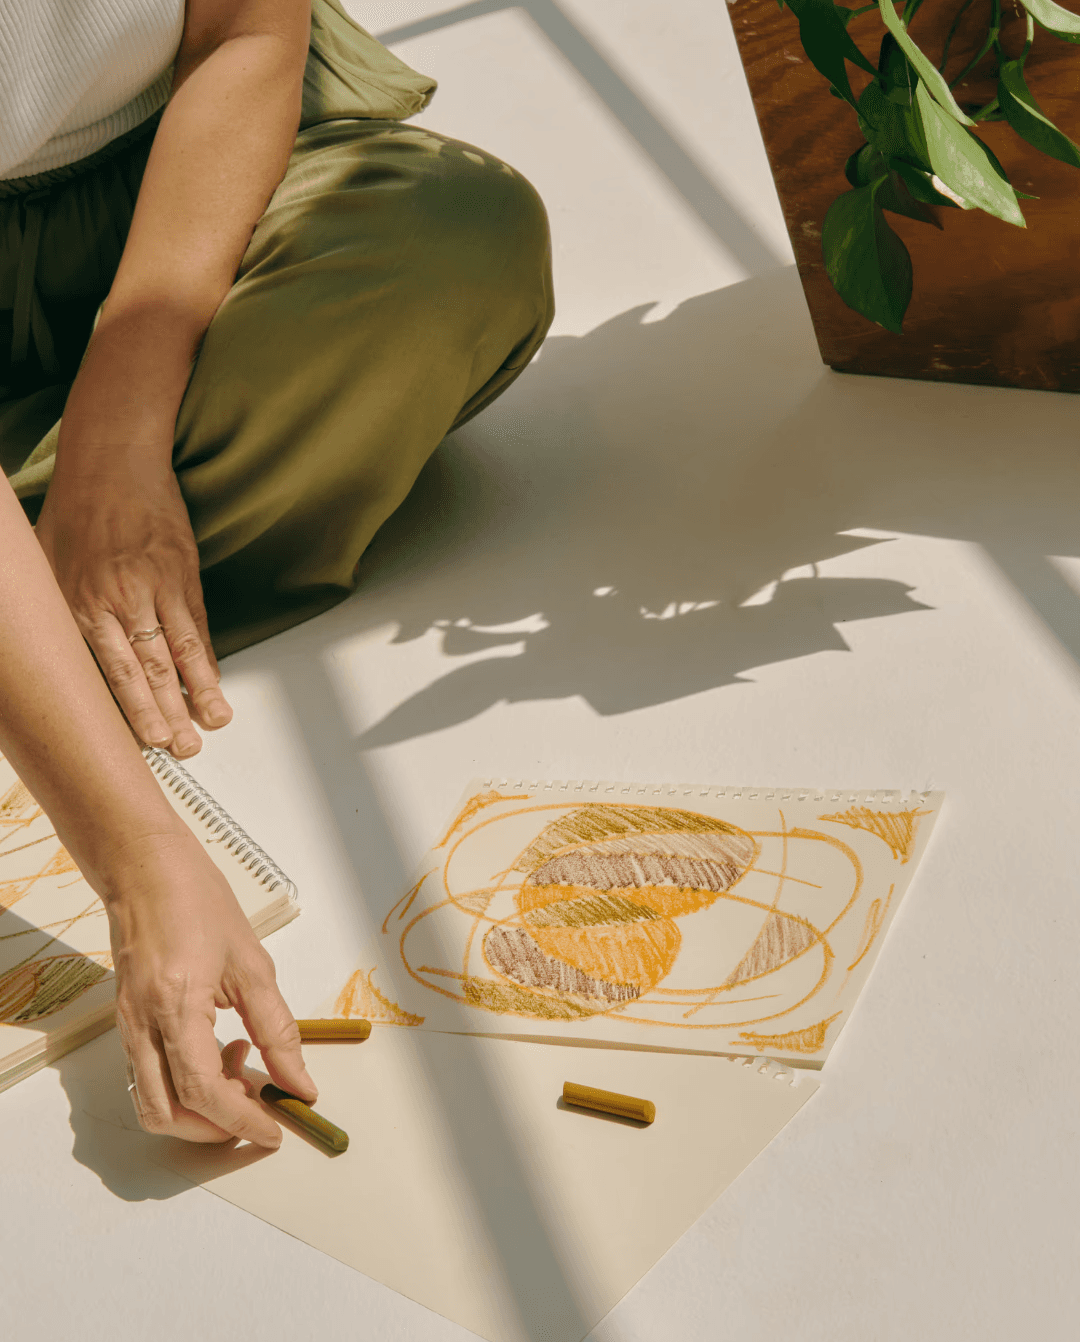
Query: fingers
column 203, row 1087
column 156, row 1104
column 143, row 677
column 155, row 657
column 123, row 669
column 233, row 1057
column 276, row 1035
column 193, row 656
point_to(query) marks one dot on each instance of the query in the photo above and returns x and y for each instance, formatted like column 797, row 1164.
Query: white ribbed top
column 75, row 74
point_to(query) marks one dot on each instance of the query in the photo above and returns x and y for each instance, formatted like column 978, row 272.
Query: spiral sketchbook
column 57, row 988
column 692, row 918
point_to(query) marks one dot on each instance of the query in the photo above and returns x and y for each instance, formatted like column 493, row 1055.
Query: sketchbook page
column 56, row 981
column 720, row 920
column 262, row 889
column 468, row 1187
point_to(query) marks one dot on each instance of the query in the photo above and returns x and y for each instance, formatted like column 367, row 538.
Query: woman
column 181, row 944
column 260, row 303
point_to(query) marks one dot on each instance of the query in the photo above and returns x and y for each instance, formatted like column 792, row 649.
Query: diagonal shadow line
column 1039, row 583
column 715, row 210
column 529, row 1261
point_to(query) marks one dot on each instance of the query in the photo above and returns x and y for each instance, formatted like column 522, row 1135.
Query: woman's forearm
column 219, row 152
column 59, row 726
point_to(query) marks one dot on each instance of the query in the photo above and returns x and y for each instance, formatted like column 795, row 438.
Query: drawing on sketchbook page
column 55, row 947
column 738, row 925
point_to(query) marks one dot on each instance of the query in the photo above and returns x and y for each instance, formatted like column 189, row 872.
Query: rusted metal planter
column 993, row 304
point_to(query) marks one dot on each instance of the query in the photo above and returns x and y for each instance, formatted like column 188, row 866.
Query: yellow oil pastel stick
column 608, row 1102
column 305, row 1117
column 334, row 1029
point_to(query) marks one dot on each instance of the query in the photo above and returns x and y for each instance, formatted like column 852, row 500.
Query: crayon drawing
column 54, row 934
column 736, row 925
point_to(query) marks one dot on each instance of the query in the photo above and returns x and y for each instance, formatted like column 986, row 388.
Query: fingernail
column 217, row 715
column 187, row 745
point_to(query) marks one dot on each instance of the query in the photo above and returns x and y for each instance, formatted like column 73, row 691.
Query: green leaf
column 1003, row 174
column 918, row 183
column 891, row 128
column 964, row 163
column 870, row 268
column 1055, row 19
column 865, row 166
column 826, row 42
column 893, row 195
column 1024, row 116
column 928, row 72
column 896, row 76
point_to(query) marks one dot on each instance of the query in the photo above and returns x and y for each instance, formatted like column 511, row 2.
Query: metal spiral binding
column 640, row 791
column 217, row 820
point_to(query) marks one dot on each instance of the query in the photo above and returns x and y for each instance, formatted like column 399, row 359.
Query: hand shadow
column 136, row 1165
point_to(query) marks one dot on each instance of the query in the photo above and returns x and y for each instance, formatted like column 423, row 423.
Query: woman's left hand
column 116, row 532
column 182, row 950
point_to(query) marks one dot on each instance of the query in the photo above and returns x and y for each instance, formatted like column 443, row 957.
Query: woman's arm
column 181, row 944
column 113, row 524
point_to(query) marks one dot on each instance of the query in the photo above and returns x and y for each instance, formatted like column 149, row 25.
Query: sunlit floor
column 680, row 549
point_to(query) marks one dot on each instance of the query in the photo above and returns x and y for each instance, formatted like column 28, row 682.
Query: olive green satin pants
column 396, row 284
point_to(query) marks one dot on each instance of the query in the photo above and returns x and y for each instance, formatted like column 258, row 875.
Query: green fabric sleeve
column 350, row 74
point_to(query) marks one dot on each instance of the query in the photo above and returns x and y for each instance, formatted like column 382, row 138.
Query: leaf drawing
column 810, row 1040
column 42, row 987
column 896, row 828
column 641, row 923
column 597, row 907
column 361, row 998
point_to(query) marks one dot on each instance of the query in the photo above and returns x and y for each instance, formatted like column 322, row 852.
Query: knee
column 487, row 212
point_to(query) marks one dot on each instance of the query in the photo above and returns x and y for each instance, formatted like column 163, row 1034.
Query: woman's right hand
column 116, row 533
column 182, row 948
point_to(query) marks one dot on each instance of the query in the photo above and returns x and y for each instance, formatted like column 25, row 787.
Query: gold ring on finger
column 145, row 635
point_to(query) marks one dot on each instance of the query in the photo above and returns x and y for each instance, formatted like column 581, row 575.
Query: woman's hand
column 115, row 530
column 181, row 949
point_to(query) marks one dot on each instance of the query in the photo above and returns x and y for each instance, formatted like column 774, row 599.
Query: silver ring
column 131, row 1087
column 145, row 635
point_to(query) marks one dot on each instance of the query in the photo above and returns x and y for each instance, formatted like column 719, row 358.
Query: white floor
column 679, row 549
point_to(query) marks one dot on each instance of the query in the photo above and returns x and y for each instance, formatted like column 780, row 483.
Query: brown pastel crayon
column 305, row 1117
column 333, row 1029
column 608, row 1102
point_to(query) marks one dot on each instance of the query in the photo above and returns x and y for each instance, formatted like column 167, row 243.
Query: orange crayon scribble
column 472, row 806
column 407, row 900
column 58, row 864
column 17, row 806
column 875, row 916
column 361, row 998
column 897, row 829
column 810, row 1040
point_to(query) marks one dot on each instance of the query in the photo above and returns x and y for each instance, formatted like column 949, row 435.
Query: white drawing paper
column 469, row 1187
column 720, row 920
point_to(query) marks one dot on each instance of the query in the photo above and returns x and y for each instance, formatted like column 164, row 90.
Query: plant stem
column 991, row 39
column 991, row 106
column 948, row 41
